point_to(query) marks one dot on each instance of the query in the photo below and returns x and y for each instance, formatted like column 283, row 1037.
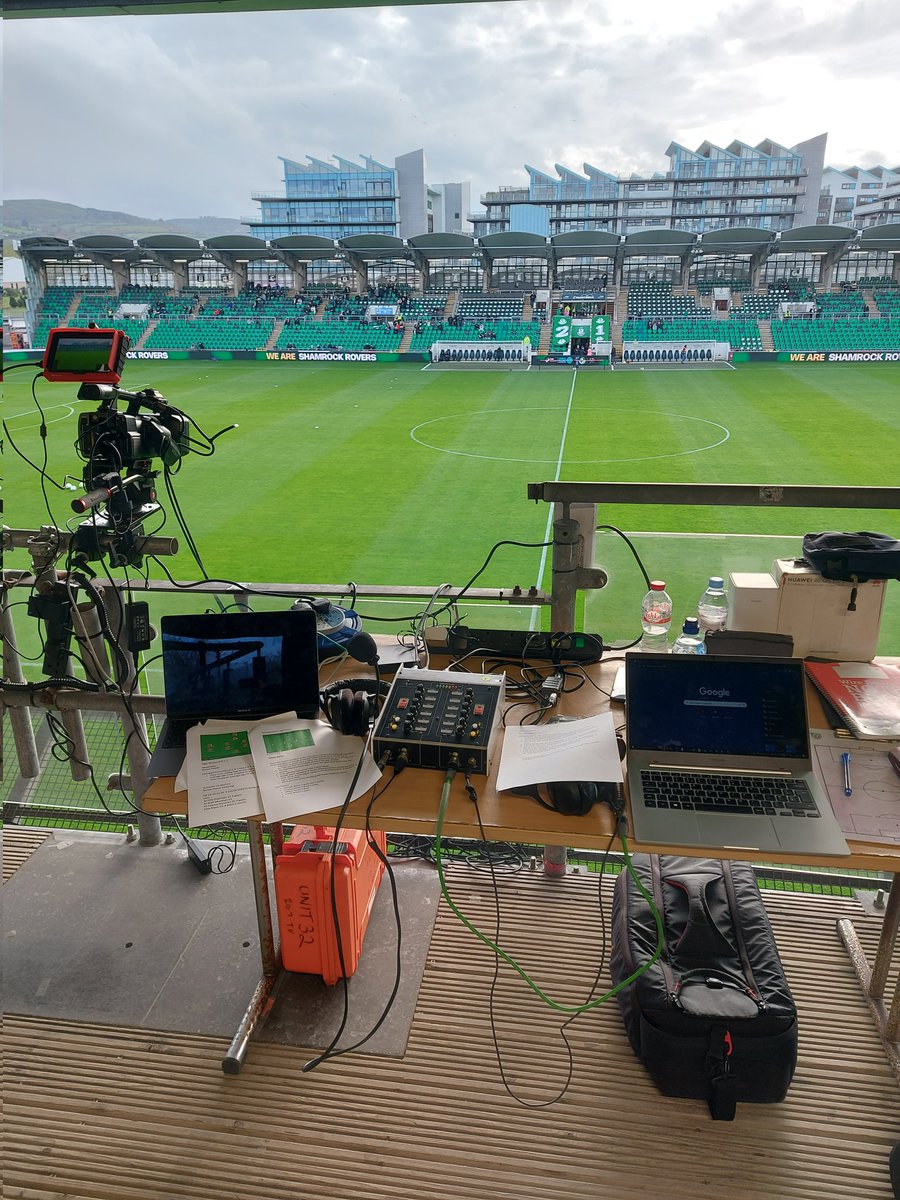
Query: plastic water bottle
column 712, row 609
column 690, row 640
column 656, row 617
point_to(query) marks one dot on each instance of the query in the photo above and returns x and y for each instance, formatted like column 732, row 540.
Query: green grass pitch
column 403, row 475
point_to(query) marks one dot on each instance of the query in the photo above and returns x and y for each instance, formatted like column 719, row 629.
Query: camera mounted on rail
column 118, row 448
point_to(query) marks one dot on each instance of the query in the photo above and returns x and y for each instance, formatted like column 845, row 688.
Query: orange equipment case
column 303, row 898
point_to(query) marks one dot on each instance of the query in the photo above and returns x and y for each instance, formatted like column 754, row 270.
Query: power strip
column 520, row 643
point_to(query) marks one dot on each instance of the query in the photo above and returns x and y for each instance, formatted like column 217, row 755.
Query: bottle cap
column 657, row 585
column 716, row 581
column 691, row 625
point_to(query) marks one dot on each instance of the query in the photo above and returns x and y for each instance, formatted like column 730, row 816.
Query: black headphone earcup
column 338, row 708
column 350, row 705
column 572, row 799
column 359, row 714
column 589, row 795
column 350, row 712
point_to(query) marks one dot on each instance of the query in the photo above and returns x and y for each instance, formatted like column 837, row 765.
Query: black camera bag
column 853, row 557
column 713, row 1019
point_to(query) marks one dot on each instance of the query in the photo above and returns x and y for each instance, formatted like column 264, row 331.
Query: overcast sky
column 187, row 115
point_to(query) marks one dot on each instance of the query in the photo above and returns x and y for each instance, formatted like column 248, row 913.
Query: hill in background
column 49, row 218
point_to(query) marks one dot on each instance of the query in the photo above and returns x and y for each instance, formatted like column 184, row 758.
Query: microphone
column 81, row 504
column 362, row 647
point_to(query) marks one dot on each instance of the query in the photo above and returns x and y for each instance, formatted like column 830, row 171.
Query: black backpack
column 853, row 557
column 713, row 1018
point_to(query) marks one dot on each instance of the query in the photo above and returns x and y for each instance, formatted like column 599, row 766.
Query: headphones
column 574, row 799
column 349, row 704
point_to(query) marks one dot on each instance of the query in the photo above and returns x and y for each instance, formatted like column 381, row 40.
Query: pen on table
column 845, row 763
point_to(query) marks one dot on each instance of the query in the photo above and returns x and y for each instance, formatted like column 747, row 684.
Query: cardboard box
column 816, row 612
column 753, row 602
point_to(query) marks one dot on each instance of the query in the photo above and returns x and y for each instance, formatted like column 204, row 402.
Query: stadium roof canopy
column 816, row 239
column 444, row 245
column 55, row 250
column 304, row 247
column 174, row 243
column 585, row 243
column 162, row 8
column 371, row 246
column 735, row 241
column 514, row 245
column 660, row 241
column 881, row 237
column 238, row 246
column 295, row 249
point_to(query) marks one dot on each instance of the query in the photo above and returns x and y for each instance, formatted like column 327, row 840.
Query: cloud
column 185, row 115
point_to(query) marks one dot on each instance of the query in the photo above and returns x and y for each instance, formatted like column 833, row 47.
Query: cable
column 492, row 945
column 216, row 855
column 63, row 741
column 329, row 1051
column 397, row 925
column 491, row 997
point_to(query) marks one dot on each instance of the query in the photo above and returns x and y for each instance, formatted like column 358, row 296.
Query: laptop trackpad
column 741, row 833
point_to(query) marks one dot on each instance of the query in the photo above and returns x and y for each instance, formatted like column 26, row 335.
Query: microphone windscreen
column 362, row 647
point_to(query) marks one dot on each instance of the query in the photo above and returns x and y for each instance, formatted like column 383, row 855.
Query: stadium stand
column 888, row 302
column 251, row 333
column 490, row 308
column 338, row 335
column 757, row 306
column 656, row 300
column 706, row 286
column 840, row 304
column 739, row 334
column 502, row 331
column 850, row 334
column 428, row 306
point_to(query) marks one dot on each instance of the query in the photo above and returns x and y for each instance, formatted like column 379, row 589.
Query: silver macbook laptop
column 719, row 756
column 242, row 665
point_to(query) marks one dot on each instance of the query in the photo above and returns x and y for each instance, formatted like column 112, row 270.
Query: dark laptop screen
column 240, row 664
column 711, row 705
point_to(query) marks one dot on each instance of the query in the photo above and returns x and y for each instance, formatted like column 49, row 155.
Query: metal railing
column 114, row 679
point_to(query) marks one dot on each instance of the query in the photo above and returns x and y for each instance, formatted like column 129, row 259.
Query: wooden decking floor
column 102, row 1113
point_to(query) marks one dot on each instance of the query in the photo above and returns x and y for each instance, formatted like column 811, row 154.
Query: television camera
column 118, row 447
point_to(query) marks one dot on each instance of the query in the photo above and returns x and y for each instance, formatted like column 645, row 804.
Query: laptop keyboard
column 751, row 795
column 175, row 735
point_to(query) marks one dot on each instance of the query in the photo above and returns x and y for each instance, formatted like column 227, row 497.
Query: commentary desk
column 410, row 806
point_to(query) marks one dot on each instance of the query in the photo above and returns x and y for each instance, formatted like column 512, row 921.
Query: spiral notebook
column 865, row 695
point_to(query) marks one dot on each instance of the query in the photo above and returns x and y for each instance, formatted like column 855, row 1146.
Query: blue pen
column 845, row 763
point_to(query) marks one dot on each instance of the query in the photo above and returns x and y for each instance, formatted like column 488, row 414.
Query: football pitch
column 406, row 475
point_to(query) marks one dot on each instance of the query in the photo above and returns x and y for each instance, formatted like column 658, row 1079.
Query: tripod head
column 119, row 480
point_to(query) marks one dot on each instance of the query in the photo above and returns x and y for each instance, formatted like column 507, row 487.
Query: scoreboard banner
column 565, row 327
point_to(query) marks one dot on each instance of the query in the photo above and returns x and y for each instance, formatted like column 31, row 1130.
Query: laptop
column 241, row 665
column 719, row 755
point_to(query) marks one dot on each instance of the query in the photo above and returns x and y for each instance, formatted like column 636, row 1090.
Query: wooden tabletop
column 410, row 803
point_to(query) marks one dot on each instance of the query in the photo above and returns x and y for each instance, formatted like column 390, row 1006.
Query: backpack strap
column 722, row 1084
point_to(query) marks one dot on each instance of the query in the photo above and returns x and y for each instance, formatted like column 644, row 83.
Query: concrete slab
column 100, row 930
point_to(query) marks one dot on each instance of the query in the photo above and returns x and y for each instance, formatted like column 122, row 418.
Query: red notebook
column 865, row 695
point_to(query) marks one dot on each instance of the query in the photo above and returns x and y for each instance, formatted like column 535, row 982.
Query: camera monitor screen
column 85, row 355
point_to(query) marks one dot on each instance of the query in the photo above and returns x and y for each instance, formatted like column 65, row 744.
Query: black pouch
column 853, row 557
column 713, row 1019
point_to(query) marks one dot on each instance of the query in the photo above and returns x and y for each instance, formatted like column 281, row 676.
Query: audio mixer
column 433, row 715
